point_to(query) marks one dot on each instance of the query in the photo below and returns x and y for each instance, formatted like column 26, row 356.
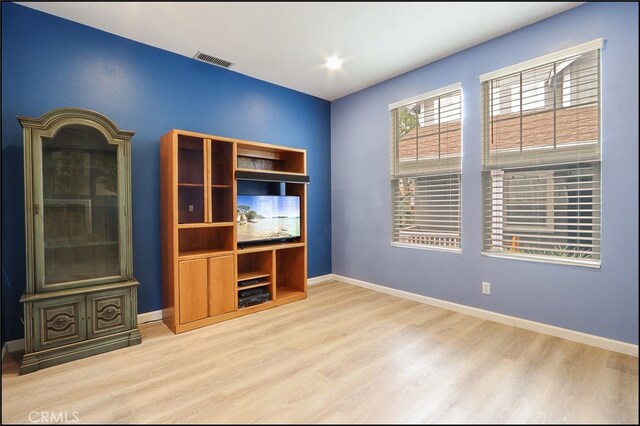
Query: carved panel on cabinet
column 109, row 312
column 61, row 321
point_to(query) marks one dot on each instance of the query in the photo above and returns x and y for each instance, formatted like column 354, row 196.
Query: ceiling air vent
column 213, row 60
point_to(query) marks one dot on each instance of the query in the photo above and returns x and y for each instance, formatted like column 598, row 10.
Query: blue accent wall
column 49, row 62
column 602, row 302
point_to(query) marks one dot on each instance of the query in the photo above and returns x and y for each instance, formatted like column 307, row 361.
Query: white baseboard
column 13, row 346
column 575, row 336
column 150, row 316
column 320, row 279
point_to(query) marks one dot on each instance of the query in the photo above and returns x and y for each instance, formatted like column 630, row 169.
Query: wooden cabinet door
column 193, row 283
column 59, row 321
column 222, row 289
column 109, row 312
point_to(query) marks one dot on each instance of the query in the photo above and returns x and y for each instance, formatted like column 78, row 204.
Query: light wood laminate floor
column 344, row 355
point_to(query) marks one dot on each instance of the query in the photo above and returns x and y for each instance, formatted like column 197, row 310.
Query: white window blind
column 541, row 161
column 426, row 147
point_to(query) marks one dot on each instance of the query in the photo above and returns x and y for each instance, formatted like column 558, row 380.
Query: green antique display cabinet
column 81, row 296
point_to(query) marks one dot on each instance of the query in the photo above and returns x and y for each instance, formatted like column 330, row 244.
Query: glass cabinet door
column 80, row 209
column 191, row 183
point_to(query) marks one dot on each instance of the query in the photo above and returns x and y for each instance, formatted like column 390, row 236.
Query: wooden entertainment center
column 202, row 262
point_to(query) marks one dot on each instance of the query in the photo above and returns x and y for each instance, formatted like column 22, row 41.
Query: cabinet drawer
column 59, row 321
column 109, row 312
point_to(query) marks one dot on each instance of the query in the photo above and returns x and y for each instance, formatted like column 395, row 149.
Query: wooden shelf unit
column 202, row 265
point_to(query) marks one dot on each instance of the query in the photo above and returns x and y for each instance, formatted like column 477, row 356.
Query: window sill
column 543, row 259
column 426, row 247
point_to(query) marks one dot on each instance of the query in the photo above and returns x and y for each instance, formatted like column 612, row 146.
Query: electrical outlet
column 190, row 207
column 486, row 287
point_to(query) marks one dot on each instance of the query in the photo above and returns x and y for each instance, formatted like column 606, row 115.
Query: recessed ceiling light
column 334, row 63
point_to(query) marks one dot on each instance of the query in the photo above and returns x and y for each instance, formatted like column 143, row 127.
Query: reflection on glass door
column 80, row 206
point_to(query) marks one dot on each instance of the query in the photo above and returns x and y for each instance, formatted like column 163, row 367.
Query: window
column 541, row 158
column 528, row 201
column 426, row 148
column 527, row 96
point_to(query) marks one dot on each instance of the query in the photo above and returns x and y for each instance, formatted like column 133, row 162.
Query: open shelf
column 194, row 254
column 252, row 275
column 270, row 158
column 286, row 292
column 204, row 225
column 258, row 307
column 260, row 284
column 214, row 240
column 268, row 247
column 271, row 176
column 257, row 265
column 290, row 272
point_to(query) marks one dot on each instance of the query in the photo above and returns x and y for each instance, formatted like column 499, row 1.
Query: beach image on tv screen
column 263, row 217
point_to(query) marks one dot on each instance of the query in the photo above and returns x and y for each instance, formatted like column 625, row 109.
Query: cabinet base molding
column 36, row 360
column 179, row 328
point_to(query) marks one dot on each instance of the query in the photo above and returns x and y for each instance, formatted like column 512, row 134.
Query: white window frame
column 589, row 151
column 433, row 164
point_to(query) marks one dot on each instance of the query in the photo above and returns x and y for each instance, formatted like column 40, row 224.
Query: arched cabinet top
column 55, row 119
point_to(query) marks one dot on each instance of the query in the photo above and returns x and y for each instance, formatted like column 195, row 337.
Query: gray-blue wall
column 602, row 302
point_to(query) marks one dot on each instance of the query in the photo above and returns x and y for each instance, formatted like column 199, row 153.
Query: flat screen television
column 263, row 218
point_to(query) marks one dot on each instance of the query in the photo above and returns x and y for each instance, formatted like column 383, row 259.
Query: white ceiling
column 288, row 43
